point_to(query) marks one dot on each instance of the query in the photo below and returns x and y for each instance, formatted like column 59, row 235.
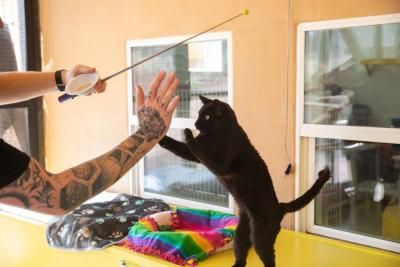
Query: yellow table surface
column 23, row 244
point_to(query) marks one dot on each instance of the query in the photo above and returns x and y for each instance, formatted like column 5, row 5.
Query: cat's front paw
column 188, row 135
column 324, row 174
column 164, row 142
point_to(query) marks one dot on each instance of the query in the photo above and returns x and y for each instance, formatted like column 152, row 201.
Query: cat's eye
column 206, row 117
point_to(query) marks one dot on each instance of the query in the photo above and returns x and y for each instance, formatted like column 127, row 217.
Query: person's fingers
column 170, row 93
column 167, row 84
column 81, row 69
column 155, row 85
column 172, row 105
column 139, row 97
column 100, row 87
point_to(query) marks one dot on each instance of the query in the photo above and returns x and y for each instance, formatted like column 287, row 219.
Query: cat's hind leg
column 242, row 243
column 263, row 238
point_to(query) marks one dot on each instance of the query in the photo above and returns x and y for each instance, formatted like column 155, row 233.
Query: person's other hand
column 1, row 24
column 155, row 112
column 67, row 75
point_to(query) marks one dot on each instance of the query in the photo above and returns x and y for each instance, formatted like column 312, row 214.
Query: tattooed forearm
column 49, row 193
column 30, row 189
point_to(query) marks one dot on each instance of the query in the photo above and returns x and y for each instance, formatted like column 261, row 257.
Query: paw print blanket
column 98, row 225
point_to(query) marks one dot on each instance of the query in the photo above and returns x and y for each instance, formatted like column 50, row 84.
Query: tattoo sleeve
column 38, row 190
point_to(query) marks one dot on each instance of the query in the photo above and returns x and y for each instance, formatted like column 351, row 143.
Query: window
column 20, row 123
column 203, row 66
column 348, row 78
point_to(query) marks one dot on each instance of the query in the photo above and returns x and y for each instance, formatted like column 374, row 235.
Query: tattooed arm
column 39, row 190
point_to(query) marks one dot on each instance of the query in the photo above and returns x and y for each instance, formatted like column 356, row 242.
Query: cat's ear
column 204, row 99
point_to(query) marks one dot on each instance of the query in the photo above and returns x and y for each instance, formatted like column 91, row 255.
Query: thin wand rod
column 169, row 48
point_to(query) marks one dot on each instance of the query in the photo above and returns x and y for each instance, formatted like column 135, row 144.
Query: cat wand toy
column 83, row 83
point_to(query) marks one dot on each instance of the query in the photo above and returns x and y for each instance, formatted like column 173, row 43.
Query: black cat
column 224, row 148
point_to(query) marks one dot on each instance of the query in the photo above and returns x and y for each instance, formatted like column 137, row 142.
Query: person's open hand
column 155, row 112
column 100, row 86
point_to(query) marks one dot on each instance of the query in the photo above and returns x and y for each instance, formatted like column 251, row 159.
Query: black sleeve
column 13, row 163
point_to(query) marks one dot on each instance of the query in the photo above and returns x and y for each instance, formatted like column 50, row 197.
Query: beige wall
column 94, row 32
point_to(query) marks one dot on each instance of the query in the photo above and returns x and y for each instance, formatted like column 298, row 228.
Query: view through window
column 202, row 67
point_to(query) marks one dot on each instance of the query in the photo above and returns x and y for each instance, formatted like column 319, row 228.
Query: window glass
column 14, row 127
column 363, row 194
column 352, row 76
column 201, row 68
column 12, row 13
column 170, row 175
column 15, row 119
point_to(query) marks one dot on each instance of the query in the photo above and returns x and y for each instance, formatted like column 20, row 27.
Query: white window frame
column 305, row 134
column 177, row 123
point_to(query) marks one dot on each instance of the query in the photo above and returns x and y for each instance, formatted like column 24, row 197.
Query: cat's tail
column 302, row 201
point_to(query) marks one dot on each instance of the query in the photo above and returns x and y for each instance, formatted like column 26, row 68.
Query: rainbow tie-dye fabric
column 192, row 236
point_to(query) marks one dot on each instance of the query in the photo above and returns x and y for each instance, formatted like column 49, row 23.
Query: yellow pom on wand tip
column 246, row 12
